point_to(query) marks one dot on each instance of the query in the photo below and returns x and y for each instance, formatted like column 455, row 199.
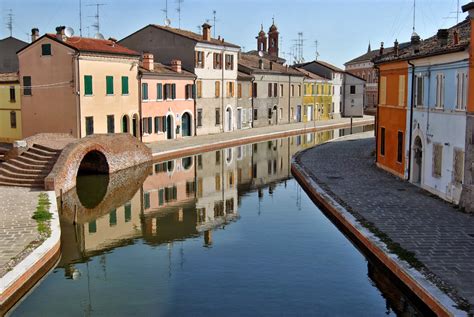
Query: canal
column 227, row 232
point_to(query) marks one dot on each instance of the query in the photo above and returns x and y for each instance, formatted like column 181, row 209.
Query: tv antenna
column 80, row 18
column 10, row 22
column 414, row 14
column 165, row 10
column 179, row 12
column 316, row 50
column 457, row 13
column 96, row 25
column 214, row 23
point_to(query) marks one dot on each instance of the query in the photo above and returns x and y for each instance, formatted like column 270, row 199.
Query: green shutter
column 128, row 212
column 173, row 91
column 110, row 84
column 161, row 197
column 124, row 85
column 46, row 49
column 159, row 93
column 88, row 85
column 144, row 91
column 113, row 218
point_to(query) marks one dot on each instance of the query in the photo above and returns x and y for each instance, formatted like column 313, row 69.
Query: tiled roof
column 251, row 62
column 194, row 36
column 268, row 56
column 322, row 63
column 8, row 77
column 243, row 76
column 161, row 69
column 310, row 74
column 367, row 57
column 432, row 46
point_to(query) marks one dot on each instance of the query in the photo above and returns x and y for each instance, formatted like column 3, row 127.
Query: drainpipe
column 194, row 92
column 78, row 93
column 289, row 98
column 140, row 114
column 251, row 83
column 222, row 94
column 377, row 115
column 412, row 104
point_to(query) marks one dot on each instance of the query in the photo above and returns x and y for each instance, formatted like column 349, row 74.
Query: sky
column 343, row 28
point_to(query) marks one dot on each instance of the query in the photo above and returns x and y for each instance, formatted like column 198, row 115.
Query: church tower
column 273, row 35
column 261, row 40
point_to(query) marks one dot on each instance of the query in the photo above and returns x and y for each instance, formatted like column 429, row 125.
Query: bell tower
column 273, row 35
column 261, row 40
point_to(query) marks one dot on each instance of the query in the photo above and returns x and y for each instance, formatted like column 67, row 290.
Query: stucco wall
column 353, row 103
column 7, row 133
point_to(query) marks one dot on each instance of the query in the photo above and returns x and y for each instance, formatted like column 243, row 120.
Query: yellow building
column 317, row 98
column 10, row 107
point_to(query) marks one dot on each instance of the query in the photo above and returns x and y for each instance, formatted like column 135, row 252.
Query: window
column 275, row 90
column 270, row 90
column 124, row 85
column 128, row 212
column 199, row 117
column 157, row 124
column 199, row 59
column 401, row 90
column 89, row 125
column 199, row 89
column 146, row 200
column 230, row 89
column 159, row 91
column 400, row 147
column 163, row 126
column 299, row 90
column 440, row 90
column 255, row 114
column 270, row 113
column 173, row 91
column 113, row 218
column 110, row 85
column 383, row 90
column 167, row 92
column 437, row 159
column 46, row 49
column 27, row 85
column 458, row 166
column 292, row 90
column 218, row 116
column 110, row 124
column 306, row 88
column 217, row 88
column 12, row 94
column 353, row 90
column 239, row 91
column 217, row 58
column 189, row 91
column 144, row 91
column 333, row 90
column 461, row 90
column 281, row 90
column 13, row 119
column 419, row 91
column 147, row 125
column 218, row 157
column 229, row 62
column 382, row 141
column 218, row 182
column 254, row 90
column 92, row 226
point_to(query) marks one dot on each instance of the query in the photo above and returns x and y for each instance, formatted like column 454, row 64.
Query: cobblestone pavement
column 17, row 229
column 441, row 236
column 170, row 145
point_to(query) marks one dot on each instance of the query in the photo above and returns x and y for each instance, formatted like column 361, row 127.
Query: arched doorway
column 125, row 124
column 417, row 160
column 228, row 116
column 186, row 124
column 275, row 112
column 135, row 125
column 169, row 126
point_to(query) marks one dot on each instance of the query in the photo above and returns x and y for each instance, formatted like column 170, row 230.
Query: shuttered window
column 275, row 90
column 218, row 116
column 199, row 59
column 12, row 94
column 110, row 85
column 88, row 85
column 270, row 90
column 173, row 91
column 124, row 85
column 239, row 90
column 199, row 89
column 399, row 146
column 419, row 90
column 437, row 159
column 27, row 85
column 199, row 117
column 13, row 120
column 157, row 124
column 383, row 90
column 144, row 91
column 159, row 91
column 217, row 88
column 440, row 90
column 401, row 90
column 230, row 89
column 110, row 124
column 458, row 174
column 89, row 125
column 461, row 90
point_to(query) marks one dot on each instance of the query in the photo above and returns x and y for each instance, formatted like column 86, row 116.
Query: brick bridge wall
column 121, row 151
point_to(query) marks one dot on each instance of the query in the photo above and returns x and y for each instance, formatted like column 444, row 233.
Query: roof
column 243, row 76
column 367, row 57
column 355, row 76
column 267, row 56
column 322, row 63
column 8, row 59
column 9, row 77
column 310, row 74
column 194, row 36
column 251, row 63
column 166, row 70
column 431, row 46
column 84, row 44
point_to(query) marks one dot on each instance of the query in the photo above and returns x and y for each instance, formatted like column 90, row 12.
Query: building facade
column 91, row 86
column 10, row 107
column 244, row 101
column 354, row 96
column 213, row 61
column 317, row 99
column 167, row 100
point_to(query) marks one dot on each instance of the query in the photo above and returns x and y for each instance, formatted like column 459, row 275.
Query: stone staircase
column 30, row 168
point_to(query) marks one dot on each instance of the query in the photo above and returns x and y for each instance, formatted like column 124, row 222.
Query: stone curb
column 31, row 269
column 431, row 295
column 189, row 150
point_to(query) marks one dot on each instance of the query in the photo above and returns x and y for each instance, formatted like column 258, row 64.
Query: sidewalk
column 438, row 237
column 202, row 143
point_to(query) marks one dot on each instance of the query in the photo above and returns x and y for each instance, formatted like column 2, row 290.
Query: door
column 169, row 127
column 186, row 124
column 298, row 113
column 229, row 119
column 310, row 113
column 135, row 125
column 239, row 118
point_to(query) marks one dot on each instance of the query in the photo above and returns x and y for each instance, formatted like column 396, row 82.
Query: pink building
column 168, row 103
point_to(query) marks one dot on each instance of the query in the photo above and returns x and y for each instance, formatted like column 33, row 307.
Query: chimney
column 396, row 47
column 455, row 37
column 260, row 63
column 381, row 48
column 206, row 32
column 176, row 65
column 147, row 61
column 113, row 39
column 442, row 36
column 60, row 35
column 34, row 34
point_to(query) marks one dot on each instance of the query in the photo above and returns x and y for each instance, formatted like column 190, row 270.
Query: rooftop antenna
column 10, row 22
column 414, row 14
column 457, row 13
column 198, row 28
column 214, row 24
column 179, row 12
column 165, row 10
column 316, row 46
column 96, row 25
column 80, row 18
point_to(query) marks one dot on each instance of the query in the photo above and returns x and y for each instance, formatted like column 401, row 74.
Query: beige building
column 78, row 85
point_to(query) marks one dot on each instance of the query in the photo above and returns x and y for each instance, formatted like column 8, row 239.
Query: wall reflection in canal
column 226, row 231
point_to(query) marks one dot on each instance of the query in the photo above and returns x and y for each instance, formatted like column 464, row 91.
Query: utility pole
column 414, row 14
column 96, row 25
column 10, row 22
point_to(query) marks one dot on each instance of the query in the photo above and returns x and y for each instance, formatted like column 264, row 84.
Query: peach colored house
column 78, row 85
column 167, row 100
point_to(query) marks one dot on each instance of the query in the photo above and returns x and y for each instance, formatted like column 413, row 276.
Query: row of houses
column 425, row 112
column 163, row 83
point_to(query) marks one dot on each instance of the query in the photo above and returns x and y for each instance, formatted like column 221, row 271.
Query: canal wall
column 17, row 282
column 437, row 300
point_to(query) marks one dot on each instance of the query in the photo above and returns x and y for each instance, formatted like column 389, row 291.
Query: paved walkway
column 17, row 229
column 440, row 236
column 201, row 140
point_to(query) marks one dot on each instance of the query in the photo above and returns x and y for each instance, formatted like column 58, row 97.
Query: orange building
column 391, row 116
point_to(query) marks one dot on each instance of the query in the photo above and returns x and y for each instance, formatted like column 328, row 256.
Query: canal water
column 222, row 233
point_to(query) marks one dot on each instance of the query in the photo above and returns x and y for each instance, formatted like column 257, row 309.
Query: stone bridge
column 95, row 154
